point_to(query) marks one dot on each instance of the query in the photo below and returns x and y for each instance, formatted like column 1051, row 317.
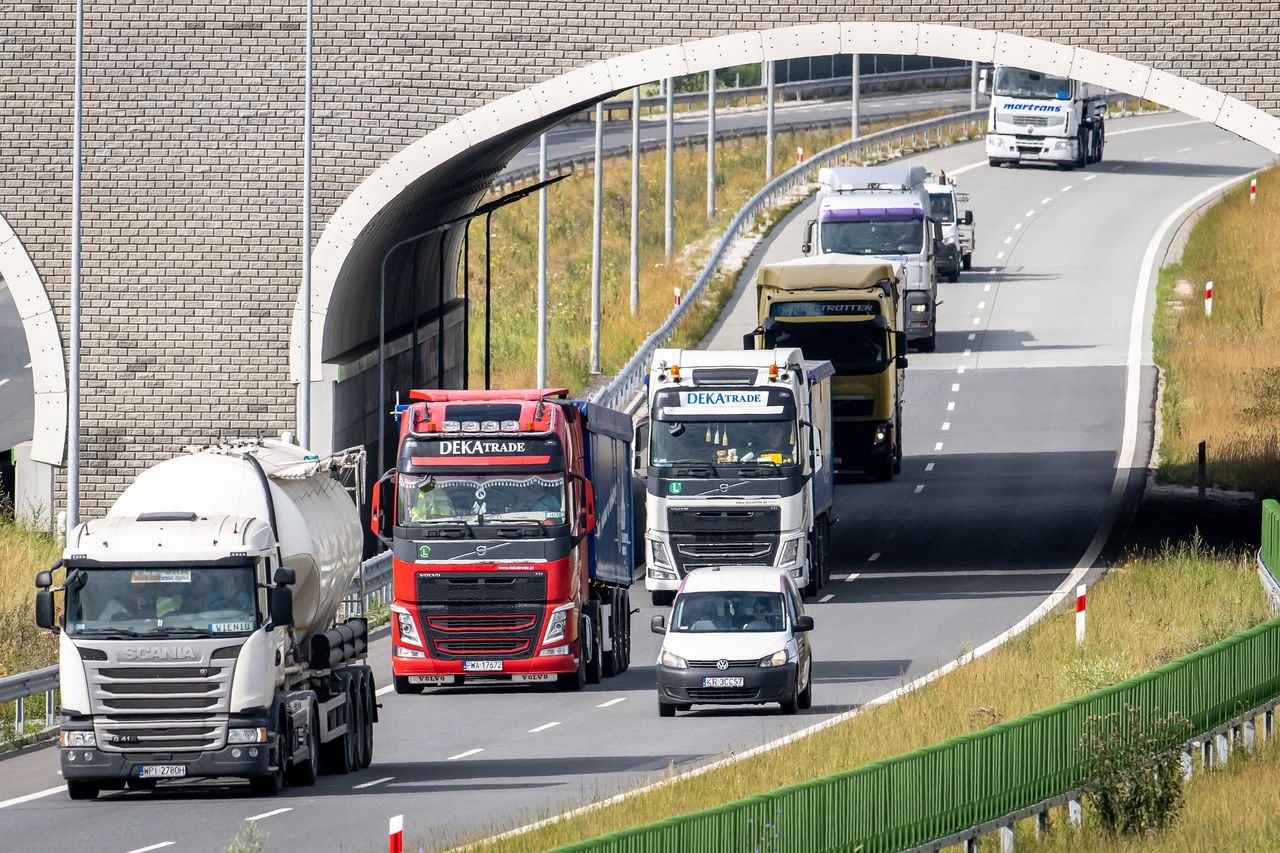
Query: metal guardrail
column 373, row 585
column 628, row 379
column 819, row 86
column 1269, row 553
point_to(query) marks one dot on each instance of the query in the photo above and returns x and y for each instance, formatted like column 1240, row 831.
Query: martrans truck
column 511, row 538
column 883, row 212
column 739, row 465
column 1041, row 118
column 198, row 636
column 846, row 310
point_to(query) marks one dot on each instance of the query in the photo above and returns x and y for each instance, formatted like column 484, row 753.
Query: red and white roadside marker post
column 1080, row 590
column 397, row 834
column 1208, row 299
column 799, row 155
column 675, row 297
column 1253, row 189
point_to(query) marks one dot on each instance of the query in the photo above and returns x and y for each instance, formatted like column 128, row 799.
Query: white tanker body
column 198, row 637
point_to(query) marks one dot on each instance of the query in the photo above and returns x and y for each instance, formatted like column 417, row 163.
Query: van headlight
column 778, row 658
column 672, row 661
column 557, row 624
column 406, row 628
column 790, row 551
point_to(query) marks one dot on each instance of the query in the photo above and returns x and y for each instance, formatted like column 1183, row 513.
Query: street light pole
column 541, row 367
column 711, row 144
column 596, row 228
column 304, row 393
column 73, row 399
column 635, row 201
column 768, row 120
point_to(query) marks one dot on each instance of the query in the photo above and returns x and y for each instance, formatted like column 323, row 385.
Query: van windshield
column 896, row 236
column 942, row 207
column 728, row 612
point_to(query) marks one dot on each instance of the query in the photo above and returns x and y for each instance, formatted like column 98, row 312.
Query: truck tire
column 370, row 713
column 404, row 688
column 994, row 163
column 663, row 597
column 337, row 756
column 303, row 774
column 626, row 630
column 613, row 658
column 595, row 666
column 273, row 782
column 360, row 706
column 967, row 261
column 81, row 790
column 575, row 681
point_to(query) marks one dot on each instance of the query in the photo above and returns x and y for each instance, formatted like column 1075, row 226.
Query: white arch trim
column 48, row 372
column 629, row 70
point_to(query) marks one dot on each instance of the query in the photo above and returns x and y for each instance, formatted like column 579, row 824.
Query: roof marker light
column 773, row 373
column 470, row 426
column 489, row 426
column 452, row 426
column 510, row 426
column 675, row 372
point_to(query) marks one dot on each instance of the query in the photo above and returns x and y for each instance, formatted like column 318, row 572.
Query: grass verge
column 23, row 646
column 740, row 172
column 1145, row 613
column 1222, row 373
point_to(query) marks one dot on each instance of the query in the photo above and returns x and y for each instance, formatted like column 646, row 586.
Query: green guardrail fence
column 912, row 799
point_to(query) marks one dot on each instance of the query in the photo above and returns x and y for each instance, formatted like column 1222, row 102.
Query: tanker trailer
column 198, row 634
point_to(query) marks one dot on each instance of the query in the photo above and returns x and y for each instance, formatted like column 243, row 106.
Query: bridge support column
column 1007, row 837
column 1075, row 812
column 1186, row 765
column 33, row 492
column 1249, row 735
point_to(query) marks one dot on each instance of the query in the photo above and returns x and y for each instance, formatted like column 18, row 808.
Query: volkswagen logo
column 722, row 664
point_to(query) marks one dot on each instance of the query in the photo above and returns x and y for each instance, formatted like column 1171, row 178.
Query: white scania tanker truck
column 198, row 636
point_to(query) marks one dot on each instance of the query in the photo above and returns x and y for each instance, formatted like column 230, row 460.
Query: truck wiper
column 111, row 633
column 161, row 633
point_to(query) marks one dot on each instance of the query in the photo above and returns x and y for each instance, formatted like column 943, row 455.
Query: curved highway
column 1014, row 431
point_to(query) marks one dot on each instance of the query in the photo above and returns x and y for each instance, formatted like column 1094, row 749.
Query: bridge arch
column 445, row 173
column 44, row 345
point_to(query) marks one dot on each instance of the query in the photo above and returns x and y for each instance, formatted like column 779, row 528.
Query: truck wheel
column 361, row 717
column 404, row 688
column 336, row 756
column 993, row 162
column 663, row 597
column 304, row 773
column 366, row 733
column 626, row 630
column 595, row 666
column 967, row 261
column 78, row 790
column 574, row 681
column 273, row 782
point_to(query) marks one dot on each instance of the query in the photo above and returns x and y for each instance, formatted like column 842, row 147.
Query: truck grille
column 140, row 733
column 696, row 551
column 692, row 519
column 164, row 689
column 482, row 587
column 1021, row 119
column 482, row 630
column 852, row 407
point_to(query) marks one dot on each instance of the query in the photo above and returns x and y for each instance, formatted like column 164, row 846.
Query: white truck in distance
column 1040, row 118
column 957, row 225
column 883, row 212
column 739, row 469
column 198, row 635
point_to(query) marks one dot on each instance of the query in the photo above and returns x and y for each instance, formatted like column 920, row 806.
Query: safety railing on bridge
column 872, row 146
column 371, row 588
column 1269, row 553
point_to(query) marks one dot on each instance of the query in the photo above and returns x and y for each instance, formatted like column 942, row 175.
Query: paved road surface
column 1012, row 434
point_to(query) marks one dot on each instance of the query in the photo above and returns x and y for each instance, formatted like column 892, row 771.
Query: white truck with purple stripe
column 883, row 212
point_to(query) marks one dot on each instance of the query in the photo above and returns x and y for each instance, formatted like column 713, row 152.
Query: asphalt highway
column 17, row 395
column 1016, row 470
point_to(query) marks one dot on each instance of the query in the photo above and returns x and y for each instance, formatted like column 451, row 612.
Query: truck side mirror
column 44, row 609
column 900, row 362
column 808, row 237
column 281, row 605
column 900, row 343
column 587, row 512
column 377, row 521
column 639, row 447
column 285, row 577
column 44, row 579
column 658, row 625
column 966, row 217
column 982, row 81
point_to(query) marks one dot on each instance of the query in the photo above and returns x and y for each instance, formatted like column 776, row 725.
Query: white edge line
column 826, row 598
column 364, row 785
column 1129, row 442
column 612, row 702
column 383, row 691
column 26, row 798
column 159, row 846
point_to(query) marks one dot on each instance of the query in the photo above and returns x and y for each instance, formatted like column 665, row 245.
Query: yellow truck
column 845, row 309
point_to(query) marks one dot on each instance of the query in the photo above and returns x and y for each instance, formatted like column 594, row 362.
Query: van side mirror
column 966, row 217
column 802, row 624
column 44, row 610
column 900, row 362
column 658, row 625
column 808, row 236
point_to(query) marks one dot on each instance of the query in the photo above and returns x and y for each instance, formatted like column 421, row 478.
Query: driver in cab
column 775, row 443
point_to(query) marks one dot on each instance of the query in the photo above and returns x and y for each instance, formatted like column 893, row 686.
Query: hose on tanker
column 271, row 505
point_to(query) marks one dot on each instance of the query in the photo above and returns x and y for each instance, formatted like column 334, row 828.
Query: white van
column 738, row 636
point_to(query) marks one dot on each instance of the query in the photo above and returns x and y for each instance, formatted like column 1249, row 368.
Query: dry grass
column 740, row 173
column 1222, row 373
column 1144, row 614
column 22, row 554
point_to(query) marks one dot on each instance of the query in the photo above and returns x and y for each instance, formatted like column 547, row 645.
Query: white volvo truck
column 884, row 212
column 198, row 638
column 1040, row 118
column 739, row 466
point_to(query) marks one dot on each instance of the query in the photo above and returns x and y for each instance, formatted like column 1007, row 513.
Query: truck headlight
column 258, row 735
column 881, row 434
column 919, row 308
column 406, row 628
column 778, row 658
column 557, row 624
column 672, row 661
column 659, row 551
column 790, row 550
column 1062, row 146
column 79, row 739
column 402, row 652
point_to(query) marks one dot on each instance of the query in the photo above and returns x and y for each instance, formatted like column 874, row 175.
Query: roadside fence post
column 971, row 845
column 397, row 834
column 1186, row 764
column 1268, row 724
column 1249, row 737
column 1042, row 823
column 1080, row 614
column 1206, row 754
column 1006, row 838
column 1253, row 189
column 1208, row 299
column 1075, row 812
column 1223, row 745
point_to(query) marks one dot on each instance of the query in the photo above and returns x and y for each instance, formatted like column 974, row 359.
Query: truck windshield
column 1019, row 83
column 855, row 348
column 481, row 498
column 873, row 237
column 942, row 207
column 157, row 601
column 736, row 442
column 727, row 612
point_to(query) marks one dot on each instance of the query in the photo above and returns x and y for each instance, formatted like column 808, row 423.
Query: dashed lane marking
column 1090, row 177
column 951, row 406
column 466, row 754
column 26, row 798
column 1017, row 226
column 271, row 813
column 1031, row 213
column 999, row 255
column 873, row 557
column 919, row 488
column 853, row 576
column 160, row 846
column 1182, row 150
column 982, row 305
column 3, row 381
column 937, row 447
column 986, row 288
column 364, row 785
column 543, row 727
column 973, row 336
column 955, row 386
column 1148, row 159
column 1008, row 240
column 383, row 691
column 826, row 598
column 612, row 702
column 968, row 353
column 960, row 369
column 928, row 468
column 946, row 425
column 1067, row 188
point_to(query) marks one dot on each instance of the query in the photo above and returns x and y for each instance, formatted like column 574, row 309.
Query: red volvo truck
column 511, row 532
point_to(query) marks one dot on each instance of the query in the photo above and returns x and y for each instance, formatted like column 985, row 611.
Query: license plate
column 431, row 679
column 722, row 681
column 535, row 676
column 162, row 771
column 482, row 666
